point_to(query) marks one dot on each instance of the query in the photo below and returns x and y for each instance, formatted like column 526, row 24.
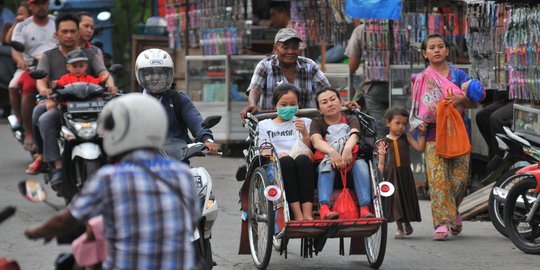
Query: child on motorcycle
column 76, row 64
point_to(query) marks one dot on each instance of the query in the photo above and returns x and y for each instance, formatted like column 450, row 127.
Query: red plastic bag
column 451, row 139
column 345, row 205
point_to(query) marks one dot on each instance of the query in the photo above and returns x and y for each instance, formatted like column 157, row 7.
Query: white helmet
column 132, row 121
column 154, row 70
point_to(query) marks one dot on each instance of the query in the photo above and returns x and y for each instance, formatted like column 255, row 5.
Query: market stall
column 222, row 31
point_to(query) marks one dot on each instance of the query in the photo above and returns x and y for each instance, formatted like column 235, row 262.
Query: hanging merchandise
column 321, row 21
column 522, row 45
column 217, row 26
column 377, row 48
column 373, row 9
column 504, row 45
column 486, row 27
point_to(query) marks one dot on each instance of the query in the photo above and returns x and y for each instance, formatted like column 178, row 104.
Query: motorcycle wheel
column 525, row 235
column 84, row 168
column 495, row 208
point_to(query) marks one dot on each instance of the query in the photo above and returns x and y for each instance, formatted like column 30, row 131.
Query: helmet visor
column 156, row 79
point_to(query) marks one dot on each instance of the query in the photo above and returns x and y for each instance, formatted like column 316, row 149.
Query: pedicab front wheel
column 376, row 246
column 260, row 219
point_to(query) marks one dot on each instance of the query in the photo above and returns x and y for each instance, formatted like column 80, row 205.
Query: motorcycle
column 203, row 182
column 80, row 145
column 522, row 210
column 14, row 123
column 516, row 149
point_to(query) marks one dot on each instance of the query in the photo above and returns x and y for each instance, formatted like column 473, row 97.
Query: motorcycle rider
column 154, row 70
column 46, row 117
column 148, row 203
column 36, row 33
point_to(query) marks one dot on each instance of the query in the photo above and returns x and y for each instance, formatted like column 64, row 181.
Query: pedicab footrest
column 342, row 227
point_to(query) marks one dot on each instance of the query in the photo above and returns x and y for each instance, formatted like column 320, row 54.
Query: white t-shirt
column 282, row 135
column 36, row 39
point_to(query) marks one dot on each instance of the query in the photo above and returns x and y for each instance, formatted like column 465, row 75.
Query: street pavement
column 480, row 246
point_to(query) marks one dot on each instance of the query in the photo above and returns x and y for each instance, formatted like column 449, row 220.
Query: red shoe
column 325, row 212
column 34, row 167
column 365, row 212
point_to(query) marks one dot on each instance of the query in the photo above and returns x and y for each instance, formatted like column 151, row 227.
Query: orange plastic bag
column 452, row 139
column 345, row 205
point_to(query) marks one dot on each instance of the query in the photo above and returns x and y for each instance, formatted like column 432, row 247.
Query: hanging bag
column 89, row 251
column 345, row 205
column 452, row 139
column 300, row 148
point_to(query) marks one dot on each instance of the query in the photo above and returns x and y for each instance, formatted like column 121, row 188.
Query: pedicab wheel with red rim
column 260, row 219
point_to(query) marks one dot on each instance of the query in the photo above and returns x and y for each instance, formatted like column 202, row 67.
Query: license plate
column 198, row 181
column 86, row 106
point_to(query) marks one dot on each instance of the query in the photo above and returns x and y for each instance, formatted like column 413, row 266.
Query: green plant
column 125, row 15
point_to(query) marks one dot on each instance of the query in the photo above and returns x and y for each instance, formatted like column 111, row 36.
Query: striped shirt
column 54, row 62
column 268, row 74
column 146, row 224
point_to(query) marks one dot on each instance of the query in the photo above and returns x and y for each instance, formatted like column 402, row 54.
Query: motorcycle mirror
column 211, row 121
column 17, row 46
column 38, row 74
column 117, row 69
column 34, row 192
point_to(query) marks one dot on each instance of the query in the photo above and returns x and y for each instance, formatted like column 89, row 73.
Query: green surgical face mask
column 287, row 113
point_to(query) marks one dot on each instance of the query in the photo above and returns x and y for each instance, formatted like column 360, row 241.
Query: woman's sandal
column 441, row 233
column 399, row 234
column 34, row 167
column 408, row 228
column 459, row 226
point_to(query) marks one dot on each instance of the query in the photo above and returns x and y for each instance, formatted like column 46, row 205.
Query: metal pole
column 186, row 30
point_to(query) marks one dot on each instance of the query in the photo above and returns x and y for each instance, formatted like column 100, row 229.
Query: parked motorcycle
column 516, row 149
column 522, row 210
column 80, row 146
column 203, row 182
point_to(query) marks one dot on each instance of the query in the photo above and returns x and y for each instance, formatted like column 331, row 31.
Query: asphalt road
column 479, row 247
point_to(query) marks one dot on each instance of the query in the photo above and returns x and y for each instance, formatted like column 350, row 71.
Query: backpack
column 177, row 104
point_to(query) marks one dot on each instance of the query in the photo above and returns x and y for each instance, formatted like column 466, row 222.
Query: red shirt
column 70, row 78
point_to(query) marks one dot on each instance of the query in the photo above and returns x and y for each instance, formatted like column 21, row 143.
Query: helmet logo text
column 156, row 62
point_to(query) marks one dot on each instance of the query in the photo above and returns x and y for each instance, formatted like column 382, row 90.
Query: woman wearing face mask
column 282, row 132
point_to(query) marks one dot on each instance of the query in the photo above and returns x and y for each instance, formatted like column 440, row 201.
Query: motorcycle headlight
column 85, row 130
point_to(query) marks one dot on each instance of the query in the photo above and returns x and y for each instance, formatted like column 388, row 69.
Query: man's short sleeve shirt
column 36, row 39
column 309, row 78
